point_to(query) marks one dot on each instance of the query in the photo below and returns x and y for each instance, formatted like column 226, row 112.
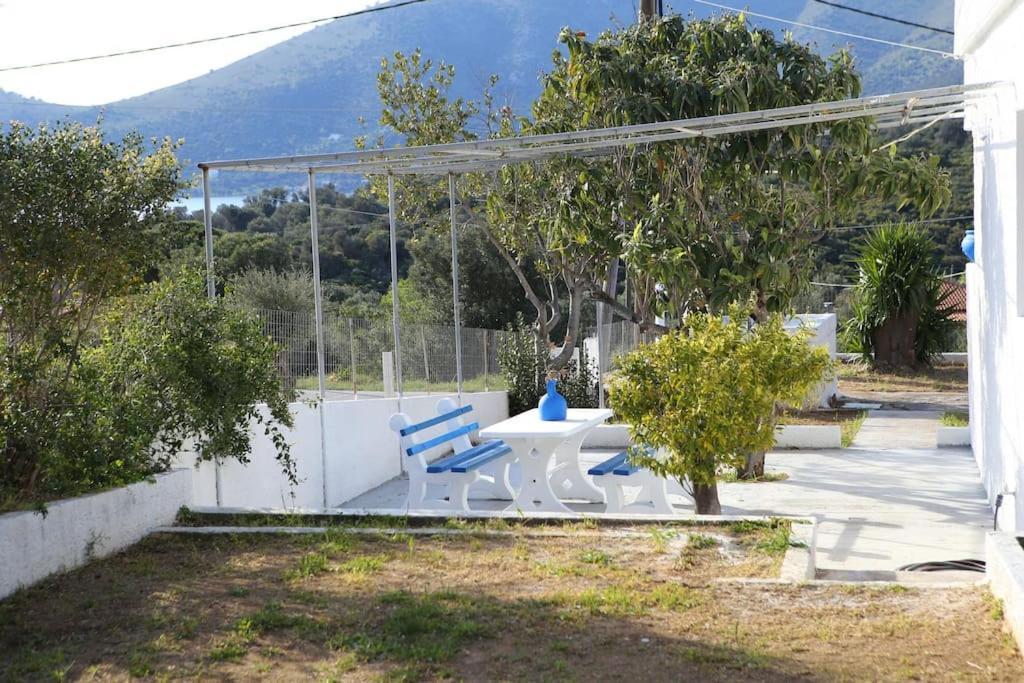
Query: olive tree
column 705, row 394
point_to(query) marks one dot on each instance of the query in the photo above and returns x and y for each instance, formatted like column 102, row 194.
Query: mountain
column 308, row 94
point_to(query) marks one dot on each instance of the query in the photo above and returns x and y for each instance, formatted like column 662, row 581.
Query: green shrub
column 171, row 367
column 523, row 366
column 578, row 383
column 899, row 310
column 706, row 394
column 79, row 220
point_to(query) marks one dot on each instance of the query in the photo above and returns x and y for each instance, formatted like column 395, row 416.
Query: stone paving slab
column 885, row 429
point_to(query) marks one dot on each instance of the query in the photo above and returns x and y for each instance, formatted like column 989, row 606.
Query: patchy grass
column 955, row 418
column 309, row 565
column 857, row 377
column 701, row 541
column 575, row 607
column 848, row 429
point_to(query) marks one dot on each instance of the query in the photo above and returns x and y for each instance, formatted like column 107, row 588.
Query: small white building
column 989, row 38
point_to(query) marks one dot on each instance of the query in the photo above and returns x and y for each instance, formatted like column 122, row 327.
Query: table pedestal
column 567, row 479
column 535, row 493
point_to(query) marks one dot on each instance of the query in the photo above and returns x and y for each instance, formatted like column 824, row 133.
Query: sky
column 33, row 31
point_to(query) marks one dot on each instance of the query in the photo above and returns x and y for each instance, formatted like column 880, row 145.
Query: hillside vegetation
column 309, row 94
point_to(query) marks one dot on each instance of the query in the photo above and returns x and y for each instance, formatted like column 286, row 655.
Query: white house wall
column 995, row 326
column 362, row 453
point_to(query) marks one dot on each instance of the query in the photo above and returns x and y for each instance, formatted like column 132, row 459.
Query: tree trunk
column 705, row 496
column 894, row 342
column 753, row 467
column 564, row 355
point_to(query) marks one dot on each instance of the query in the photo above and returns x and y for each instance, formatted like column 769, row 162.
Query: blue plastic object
column 552, row 405
column 967, row 245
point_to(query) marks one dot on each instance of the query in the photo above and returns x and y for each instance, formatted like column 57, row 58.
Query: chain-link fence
column 616, row 339
column 359, row 358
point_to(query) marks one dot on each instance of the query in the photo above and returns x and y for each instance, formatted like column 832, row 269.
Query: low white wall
column 786, row 436
column 362, row 453
column 1004, row 568
column 953, row 436
column 823, row 328
column 808, row 436
column 77, row 530
column 607, row 436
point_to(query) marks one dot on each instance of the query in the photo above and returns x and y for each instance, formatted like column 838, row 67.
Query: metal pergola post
column 456, row 302
column 600, row 355
column 393, row 227
column 211, row 285
column 211, row 292
column 318, row 314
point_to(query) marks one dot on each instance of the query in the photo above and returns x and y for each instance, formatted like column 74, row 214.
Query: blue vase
column 552, row 405
column 967, row 245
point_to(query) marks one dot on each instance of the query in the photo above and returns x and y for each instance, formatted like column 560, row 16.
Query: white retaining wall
column 823, row 329
column 362, row 453
column 77, row 530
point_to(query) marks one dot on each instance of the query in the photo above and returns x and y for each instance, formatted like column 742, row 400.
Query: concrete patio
column 878, row 507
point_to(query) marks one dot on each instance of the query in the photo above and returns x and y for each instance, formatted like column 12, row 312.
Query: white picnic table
column 549, row 456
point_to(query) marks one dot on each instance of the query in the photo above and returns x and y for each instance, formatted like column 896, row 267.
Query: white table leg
column 567, row 478
column 535, row 494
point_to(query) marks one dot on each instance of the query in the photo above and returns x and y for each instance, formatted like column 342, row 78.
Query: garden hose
column 945, row 565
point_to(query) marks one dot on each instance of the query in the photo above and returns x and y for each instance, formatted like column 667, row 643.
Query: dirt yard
column 855, row 378
column 584, row 605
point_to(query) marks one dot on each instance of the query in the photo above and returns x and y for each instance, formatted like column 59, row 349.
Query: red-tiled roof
column 955, row 300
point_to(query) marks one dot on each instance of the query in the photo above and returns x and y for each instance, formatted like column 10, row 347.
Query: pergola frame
column 891, row 110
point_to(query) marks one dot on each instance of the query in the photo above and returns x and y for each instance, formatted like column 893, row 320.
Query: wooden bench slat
column 448, row 463
column 444, row 438
column 483, row 458
column 426, row 424
column 609, row 465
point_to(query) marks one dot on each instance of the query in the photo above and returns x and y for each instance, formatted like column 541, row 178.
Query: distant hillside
column 308, row 93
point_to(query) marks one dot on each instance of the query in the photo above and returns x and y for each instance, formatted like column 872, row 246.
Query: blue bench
column 454, row 473
column 617, row 472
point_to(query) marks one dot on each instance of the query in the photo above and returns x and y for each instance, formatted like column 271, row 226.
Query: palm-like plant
column 899, row 311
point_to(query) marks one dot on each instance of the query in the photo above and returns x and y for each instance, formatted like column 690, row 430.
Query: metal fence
column 616, row 339
column 359, row 357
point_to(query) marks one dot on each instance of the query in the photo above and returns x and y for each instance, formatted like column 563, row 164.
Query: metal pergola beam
column 474, row 155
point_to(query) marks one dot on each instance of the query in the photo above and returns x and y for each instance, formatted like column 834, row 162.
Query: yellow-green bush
column 706, row 394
